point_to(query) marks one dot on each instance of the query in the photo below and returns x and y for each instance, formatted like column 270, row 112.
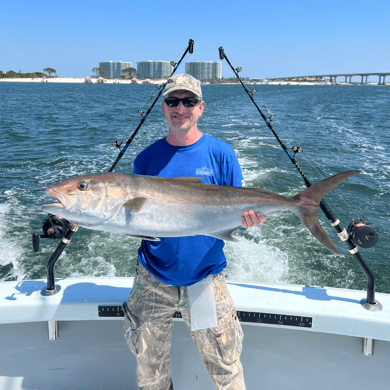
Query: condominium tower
column 154, row 69
column 204, row 70
column 114, row 69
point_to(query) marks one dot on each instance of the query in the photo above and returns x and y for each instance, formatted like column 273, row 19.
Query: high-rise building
column 114, row 69
column 204, row 70
column 154, row 69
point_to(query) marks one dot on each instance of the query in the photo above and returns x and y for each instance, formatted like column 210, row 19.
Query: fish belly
column 157, row 219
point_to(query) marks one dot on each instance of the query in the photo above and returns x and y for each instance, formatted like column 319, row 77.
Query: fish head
column 89, row 199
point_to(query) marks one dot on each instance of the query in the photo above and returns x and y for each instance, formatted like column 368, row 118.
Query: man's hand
column 250, row 218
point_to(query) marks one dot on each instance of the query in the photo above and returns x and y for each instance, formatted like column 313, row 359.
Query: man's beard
column 185, row 126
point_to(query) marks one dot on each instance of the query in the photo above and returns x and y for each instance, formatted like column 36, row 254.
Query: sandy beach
column 82, row 80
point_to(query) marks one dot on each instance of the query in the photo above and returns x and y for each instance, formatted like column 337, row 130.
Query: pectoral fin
column 135, row 205
column 144, row 237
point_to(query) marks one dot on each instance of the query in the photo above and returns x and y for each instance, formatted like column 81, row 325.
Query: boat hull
column 91, row 352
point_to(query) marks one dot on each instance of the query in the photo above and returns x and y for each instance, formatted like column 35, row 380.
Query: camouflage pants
column 148, row 328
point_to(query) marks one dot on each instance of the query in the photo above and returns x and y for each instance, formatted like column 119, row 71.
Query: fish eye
column 82, row 186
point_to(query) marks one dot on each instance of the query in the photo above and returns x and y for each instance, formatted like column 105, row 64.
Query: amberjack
column 151, row 207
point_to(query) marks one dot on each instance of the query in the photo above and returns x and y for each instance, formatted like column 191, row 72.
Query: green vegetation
column 11, row 75
column 130, row 73
column 49, row 71
column 97, row 72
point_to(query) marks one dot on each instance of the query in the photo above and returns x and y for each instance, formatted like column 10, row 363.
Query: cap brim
column 180, row 88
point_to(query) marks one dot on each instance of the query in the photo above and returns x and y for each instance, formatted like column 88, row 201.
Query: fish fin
column 307, row 207
column 144, row 237
column 225, row 235
column 135, row 204
column 189, row 179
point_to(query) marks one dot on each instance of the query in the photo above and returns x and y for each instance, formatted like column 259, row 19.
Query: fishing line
column 117, row 144
column 322, row 174
column 366, row 227
column 184, row 51
column 356, row 230
column 320, row 170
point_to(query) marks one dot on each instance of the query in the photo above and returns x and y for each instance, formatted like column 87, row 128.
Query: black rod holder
column 51, row 287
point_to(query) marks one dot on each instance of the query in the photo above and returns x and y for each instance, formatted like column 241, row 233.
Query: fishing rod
column 55, row 227
column 359, row 232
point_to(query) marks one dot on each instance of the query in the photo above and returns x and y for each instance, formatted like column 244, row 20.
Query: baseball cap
column 183, row 81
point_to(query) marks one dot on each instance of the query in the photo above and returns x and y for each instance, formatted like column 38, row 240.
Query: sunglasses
column 187, row 101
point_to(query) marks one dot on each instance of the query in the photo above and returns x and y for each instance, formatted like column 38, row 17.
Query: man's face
column 182, row 118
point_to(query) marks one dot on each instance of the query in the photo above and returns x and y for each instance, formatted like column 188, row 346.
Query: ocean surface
column 49, row 132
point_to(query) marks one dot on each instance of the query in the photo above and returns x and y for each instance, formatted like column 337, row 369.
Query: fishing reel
column 53, row 227
column 362, row 233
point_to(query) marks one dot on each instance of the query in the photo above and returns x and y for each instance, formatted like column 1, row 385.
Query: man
column 186, row 273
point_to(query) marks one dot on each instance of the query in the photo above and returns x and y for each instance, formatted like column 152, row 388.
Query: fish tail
column 308, row 201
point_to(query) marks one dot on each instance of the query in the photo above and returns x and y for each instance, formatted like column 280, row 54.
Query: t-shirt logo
column 204, row 171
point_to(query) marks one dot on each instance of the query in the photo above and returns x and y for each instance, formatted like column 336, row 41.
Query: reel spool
column 362, row 233
column 53, row 227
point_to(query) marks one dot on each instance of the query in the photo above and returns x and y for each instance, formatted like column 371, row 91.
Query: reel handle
column 35, row 241
column 53, row 228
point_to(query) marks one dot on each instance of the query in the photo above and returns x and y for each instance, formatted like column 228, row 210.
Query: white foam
column 255, row 260
column 10, row 249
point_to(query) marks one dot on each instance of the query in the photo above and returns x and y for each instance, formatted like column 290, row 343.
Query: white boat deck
column 91, row 352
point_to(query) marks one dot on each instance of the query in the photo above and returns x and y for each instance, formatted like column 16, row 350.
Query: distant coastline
column 91, row 80
column 81, row 80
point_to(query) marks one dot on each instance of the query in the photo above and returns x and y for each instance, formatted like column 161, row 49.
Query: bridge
column 333, row 77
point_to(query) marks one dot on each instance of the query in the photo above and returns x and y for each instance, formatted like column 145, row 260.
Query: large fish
column 151, row 207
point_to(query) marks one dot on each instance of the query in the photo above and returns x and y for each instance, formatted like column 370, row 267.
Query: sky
column 277, row 38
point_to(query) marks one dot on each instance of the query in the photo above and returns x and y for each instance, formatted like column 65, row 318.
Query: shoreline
column 82, row 80
column 90, row 80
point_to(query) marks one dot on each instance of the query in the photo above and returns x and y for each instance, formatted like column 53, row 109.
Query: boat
column 295, row 336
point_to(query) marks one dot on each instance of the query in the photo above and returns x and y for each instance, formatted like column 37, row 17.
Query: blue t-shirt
column 182, row 261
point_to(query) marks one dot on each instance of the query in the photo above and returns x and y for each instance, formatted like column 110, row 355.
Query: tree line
column 12, row 74
column 128, row 73
column 48, row 72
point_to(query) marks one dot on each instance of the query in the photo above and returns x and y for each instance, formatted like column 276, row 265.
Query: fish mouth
column 63, row 201
column 52, row 208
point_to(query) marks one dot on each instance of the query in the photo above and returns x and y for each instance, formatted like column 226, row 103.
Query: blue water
column 49, row 132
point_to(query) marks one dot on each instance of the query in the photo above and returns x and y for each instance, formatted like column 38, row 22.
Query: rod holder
column 377, row 306
column 52, row 288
